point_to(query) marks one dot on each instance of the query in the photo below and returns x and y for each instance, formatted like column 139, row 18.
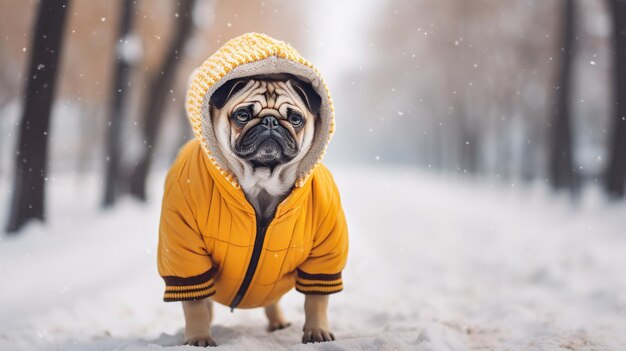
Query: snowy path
column 434, row 265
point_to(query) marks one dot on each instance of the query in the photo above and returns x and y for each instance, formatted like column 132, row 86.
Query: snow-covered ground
column 435, row 264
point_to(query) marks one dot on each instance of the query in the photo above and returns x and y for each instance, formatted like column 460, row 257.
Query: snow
column 435, row 264
column 129, row 49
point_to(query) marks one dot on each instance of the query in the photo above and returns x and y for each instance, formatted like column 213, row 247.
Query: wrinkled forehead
column 261, row 93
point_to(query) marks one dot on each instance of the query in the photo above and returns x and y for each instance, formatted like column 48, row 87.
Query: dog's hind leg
column 275, row 317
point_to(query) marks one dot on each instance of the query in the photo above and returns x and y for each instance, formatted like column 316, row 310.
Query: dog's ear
column 308, row 95
column 228, row 89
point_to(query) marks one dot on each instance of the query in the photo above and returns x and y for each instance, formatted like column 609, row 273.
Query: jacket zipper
column 254, row 261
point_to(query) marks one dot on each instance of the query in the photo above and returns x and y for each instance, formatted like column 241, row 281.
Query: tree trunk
column 155, row 102
column 561, row 161
column 616, row 173
column 32, row 148
column 121, row 88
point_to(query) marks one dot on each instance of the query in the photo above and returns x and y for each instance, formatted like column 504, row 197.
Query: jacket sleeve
column 183, row 260
column 320, row 273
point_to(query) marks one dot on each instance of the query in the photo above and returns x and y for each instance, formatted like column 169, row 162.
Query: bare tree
column 120, row 91
column 616, row 172
column 32, row 148
column 561, row 159
column 156, row 99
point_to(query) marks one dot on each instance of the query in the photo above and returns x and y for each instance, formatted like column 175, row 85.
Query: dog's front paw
column 201, row 341
column 317, row 334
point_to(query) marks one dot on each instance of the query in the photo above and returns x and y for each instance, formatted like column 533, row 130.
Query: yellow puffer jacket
column 209, row 244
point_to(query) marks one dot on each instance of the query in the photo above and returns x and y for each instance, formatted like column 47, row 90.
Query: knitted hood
column 249, row 55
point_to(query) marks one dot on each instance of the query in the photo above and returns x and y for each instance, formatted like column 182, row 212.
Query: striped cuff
column 318, row 284
column 191, row 288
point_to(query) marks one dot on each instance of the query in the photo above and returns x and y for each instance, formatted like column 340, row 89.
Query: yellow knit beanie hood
column 249, row 55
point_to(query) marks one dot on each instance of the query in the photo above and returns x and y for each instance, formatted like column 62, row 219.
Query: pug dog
column 264, row 126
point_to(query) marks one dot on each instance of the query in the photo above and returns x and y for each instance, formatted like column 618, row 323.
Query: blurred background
column 511, row 91
column 480, row 153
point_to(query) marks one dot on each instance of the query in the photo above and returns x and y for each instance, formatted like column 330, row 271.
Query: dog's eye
column 295, row 119
column 242, row 115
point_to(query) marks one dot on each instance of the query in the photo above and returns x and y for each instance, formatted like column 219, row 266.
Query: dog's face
column 265, row 121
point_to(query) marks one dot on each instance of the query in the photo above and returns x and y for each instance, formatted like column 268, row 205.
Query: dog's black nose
column 270, row 122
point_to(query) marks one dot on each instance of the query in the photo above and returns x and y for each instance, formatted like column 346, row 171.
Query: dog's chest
column 265, row 205
column 232, row 233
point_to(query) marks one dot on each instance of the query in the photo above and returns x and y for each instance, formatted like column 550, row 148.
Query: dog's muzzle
column 267, row 144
